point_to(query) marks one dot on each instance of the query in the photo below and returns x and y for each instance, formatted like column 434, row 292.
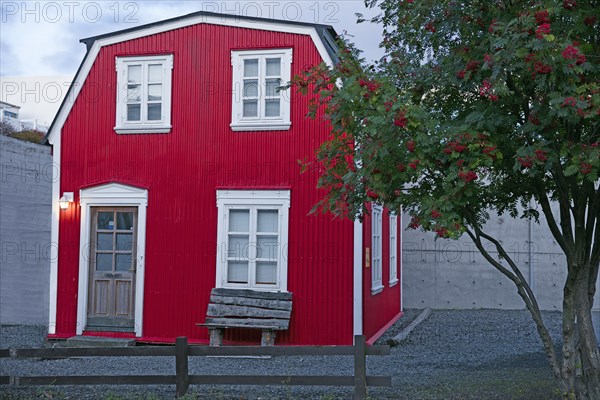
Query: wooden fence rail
column 182, row 379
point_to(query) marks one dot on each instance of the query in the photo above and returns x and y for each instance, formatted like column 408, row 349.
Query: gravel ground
column 471, row 354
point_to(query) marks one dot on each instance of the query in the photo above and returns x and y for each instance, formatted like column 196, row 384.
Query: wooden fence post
column 181, row 366
column 360, row 368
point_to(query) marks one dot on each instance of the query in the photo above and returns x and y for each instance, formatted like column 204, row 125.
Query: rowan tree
column 478, row 107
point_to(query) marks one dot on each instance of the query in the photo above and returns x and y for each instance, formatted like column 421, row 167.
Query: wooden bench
column 233, row 308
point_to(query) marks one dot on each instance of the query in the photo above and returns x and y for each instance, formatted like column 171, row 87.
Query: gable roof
column 323, row 36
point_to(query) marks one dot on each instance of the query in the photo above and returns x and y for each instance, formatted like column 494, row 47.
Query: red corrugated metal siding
column 381, row 308
column 182, row 170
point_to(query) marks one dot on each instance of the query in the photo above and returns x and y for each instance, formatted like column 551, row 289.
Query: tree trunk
column 587, row 385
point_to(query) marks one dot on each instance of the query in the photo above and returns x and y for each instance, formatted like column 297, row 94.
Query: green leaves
column 472, row 108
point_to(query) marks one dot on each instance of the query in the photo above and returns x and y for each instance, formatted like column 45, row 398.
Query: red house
column 178, row 172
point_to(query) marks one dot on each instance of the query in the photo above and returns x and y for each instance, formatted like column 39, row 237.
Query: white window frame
column 376, row 248
column 393, row 249
column 255, row 200
column 123, row 126
column 238, row 121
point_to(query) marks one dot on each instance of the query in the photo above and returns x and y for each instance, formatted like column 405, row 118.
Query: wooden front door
column 111, row 291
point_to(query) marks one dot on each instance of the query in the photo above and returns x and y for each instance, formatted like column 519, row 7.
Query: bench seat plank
column 286, row 296
column 251, row 302
column 256, row 323
column 226, row 310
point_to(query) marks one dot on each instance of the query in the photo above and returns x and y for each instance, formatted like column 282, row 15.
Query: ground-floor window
column 252, row 237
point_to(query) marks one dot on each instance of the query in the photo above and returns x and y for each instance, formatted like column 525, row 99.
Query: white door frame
column 115, row 195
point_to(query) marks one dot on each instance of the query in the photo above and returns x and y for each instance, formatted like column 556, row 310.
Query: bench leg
column 216, row 336
column 268, row 338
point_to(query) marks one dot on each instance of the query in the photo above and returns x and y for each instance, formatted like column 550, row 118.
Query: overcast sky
column 41, row 38
column 40, row 49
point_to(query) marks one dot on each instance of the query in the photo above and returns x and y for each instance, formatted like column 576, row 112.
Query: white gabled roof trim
column 201, row 19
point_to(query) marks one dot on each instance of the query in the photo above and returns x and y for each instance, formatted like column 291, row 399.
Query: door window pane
column 125, row 241
column 104, row 262
column 154, row 111
column 133, row 112
column 250, row 108
column 272, row 108
column 106, row 220
column 266, row 272
column 155, row 73
column 237, row 272
column 239, row 220
column 251, row 68
column 123, row 262
column 134, row 73
column 104, row 241
column 273, row 66
column 267, row 247
column 267, row 221
column 238, row 246
column 125, row 220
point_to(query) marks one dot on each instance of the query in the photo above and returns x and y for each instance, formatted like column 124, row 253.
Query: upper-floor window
column 376, row 248
column 144, row 94
column 257, row 103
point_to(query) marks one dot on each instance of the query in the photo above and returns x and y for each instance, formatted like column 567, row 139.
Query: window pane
column 106, row 220
column 104, row 241
column 155, row 73
column 237, row 246
column 123, row 262
column 125, row 241
column 251, row 67
column 104, row 262
column 250, row 108
column 250, row 88
column 133, row 112
column 271, row 87
column 237, row 272
column 134, row 93
column 267, row 221
column 154, row 112
column 134, row 73
column 272, row 108
column 239, row 220
column 155, row 92
column 266, row 272
column 125, row 220
column 273, row 66
column 267, row 247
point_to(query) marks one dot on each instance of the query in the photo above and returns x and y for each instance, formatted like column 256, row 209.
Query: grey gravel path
column 452, row 355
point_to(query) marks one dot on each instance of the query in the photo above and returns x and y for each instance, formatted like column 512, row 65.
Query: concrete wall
column 453, row 274
column 25, row 209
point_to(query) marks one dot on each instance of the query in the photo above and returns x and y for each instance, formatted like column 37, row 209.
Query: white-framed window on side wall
column 257, row 104
column 393, row 249
column 144, row 94
column 252, row 236
column 376, row 248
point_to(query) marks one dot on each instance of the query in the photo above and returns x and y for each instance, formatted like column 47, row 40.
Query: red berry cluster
column 468, row 176
column 400, row 119
column 572, row 53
